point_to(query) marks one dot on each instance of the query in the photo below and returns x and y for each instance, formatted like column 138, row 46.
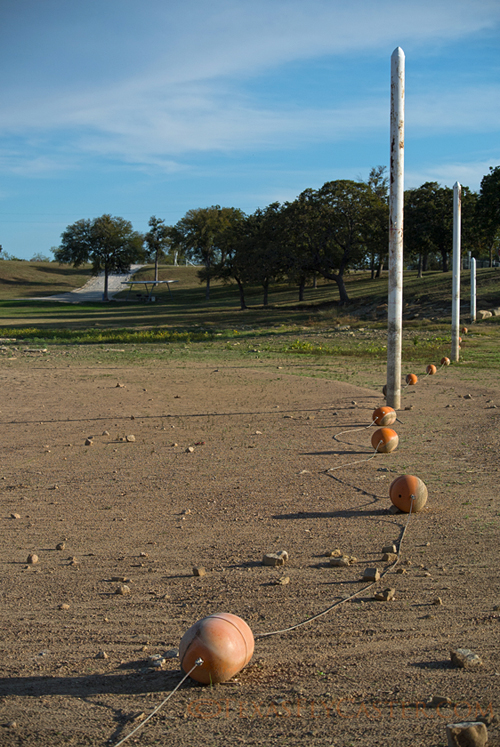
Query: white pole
column 473, row 290
column 455, row 305
column 396, row 201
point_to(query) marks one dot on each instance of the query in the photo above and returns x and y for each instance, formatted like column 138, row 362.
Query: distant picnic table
column 149, row 286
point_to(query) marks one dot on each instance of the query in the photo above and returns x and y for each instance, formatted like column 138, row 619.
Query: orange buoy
column 385, row 440
column 445, row 361
column 384, row 416
column 431, row 369
column 411, row 379
column 403, row 489
column 464, row 330
column 224, row 642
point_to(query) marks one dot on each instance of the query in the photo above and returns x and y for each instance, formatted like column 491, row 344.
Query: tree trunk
column 302, row 285
column 379, row 268
column 344, row 298
column 105, row 294
column 243, row 305
column 156, row 266
column 444, row 256
column 266, row 293
column 420, row 265
column 315, row 281
column 425, row 260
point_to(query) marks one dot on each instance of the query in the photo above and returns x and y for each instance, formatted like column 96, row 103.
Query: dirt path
column 75, row 654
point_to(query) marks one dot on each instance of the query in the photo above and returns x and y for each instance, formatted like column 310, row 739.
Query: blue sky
column 155, row 107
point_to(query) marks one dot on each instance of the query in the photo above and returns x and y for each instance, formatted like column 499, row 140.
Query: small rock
column 123, row 590
column 334, row 553
column 140, row 716
column 465, row 658
column 63, row 606
column 283, row 581
column 467, row 396
column 467, row 734
column 61, row 546
column 172, row 653
column 143, row 555
column 130, row 439
column 199, row 570
column 394, row 510
column 11, row 724
column 120, row 579
column 89, row 442
column 105, row 433
column 389, row 548
column 438, row 601
column 371, row 574
column 401, row 570
column 342, row 562
column 275, row 558
column 389, row 557
column 385, row 596
column 120, row 386
column 102, row 655
column 15, row 516
column 437, row 701
column 189, row 449
column 409, row 407
column 156, row 661
column 32, row 559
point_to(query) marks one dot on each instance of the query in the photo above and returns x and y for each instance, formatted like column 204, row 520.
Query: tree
column 328, row 229
column 109, row 244
column 489, row 209
column 157, row 241
column 201, row 236
column 377, row 238
column 429, row 223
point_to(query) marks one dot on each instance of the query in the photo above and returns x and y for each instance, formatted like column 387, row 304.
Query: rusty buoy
column 385, row 440
column 411, row 379
column 405, row 488
column 431, row 369
column 384, row 416
column 224, row 642
column 445, row 361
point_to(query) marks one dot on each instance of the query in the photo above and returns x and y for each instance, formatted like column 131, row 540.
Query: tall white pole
column 455, row 305
column 473, row 290
column 396, row 202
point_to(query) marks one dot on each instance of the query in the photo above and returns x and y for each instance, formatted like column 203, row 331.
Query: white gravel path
column 93, row 290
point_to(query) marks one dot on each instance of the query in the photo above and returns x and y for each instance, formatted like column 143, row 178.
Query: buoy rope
column 197, row 663
column 359, row 461
column 351, row 430
column 351, row 596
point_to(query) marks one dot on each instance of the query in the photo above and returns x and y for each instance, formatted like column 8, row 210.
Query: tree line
column 322, row 233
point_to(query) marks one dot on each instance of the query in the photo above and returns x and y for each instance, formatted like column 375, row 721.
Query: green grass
column 186, row 324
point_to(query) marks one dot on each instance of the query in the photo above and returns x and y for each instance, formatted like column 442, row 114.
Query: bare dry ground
column 256, row 481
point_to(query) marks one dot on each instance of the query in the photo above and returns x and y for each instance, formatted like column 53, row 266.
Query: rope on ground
column 351, row 430
column 346, row 599
column 197, row 663
column 359, row 461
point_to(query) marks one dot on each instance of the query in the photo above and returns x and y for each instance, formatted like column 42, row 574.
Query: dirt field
column 75, row 654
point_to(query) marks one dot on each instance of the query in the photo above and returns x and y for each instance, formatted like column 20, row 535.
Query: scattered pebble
column 390, row 547
column 189, row 449
column 63, row 606
column 371, row 574
column 343, row 562
column 15, row 516
column 467, row 734
column 61, row 546
column 156, row 661
column 130, row 439
column 143, row 555
column 32, row 559
column 89, row 442
column 199, row 570
column 334, row 553
column 438, row 601
column 465, row 658
column 467, row 396
column 102, row 655
column 172, row 653
column 384, row 596
column 105, row 433
column 389, row 557
column 282, row 581
column 275, row 558
column 123, row 589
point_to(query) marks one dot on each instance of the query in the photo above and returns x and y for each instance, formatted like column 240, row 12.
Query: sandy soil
column 75, row 654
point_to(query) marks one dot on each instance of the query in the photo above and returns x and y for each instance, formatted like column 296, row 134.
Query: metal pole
column 473, row 290
column 396, row 201
column 455, row 305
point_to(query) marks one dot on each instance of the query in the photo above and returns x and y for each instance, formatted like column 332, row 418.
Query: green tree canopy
column 109, row 244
